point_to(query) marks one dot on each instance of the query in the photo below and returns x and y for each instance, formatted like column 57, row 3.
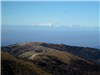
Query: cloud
column 45, row 24
column 49, row 24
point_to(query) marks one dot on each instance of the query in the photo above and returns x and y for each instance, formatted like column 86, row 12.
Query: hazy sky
column 38, row 13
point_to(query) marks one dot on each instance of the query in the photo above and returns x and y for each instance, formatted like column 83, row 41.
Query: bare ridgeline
column 37, row 58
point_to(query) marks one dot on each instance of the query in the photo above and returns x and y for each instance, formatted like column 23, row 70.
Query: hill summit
column 50, row 59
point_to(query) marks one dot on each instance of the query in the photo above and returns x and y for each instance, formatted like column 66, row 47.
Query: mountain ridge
column 85, row 52
column 51, row 59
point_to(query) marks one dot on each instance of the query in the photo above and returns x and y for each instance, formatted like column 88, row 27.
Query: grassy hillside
column 47, row 59
column 12, row 66
column 91, row 54
column 61, row 55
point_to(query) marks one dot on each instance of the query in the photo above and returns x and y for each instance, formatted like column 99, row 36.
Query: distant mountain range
column 38, row 58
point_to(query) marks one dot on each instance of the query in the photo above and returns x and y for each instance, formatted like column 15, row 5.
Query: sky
column 48, row 13
column 72, row 23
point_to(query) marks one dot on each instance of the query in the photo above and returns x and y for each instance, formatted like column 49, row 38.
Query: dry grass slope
column 13, row 66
